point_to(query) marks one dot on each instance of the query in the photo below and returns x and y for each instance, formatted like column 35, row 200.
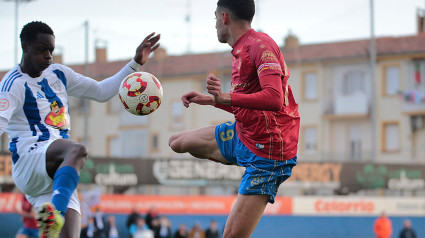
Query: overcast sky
column 123, row 24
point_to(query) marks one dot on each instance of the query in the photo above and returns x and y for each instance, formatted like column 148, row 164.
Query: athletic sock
column 65, row 182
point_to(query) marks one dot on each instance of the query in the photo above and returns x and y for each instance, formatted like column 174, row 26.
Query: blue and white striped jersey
column 36, row 109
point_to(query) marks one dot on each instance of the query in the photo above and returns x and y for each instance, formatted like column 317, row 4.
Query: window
column 353, row 82
column 154, row 142
column 310, row 140
column 392, row 76
column 113, row 146
column 391, row 137
column 310, row 86
column 355, row 142
column 134, row 143
column 176, row 115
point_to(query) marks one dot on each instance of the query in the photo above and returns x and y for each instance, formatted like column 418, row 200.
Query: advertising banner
column 358, row 206
column 191, row 205
column 348, row 177
column 184, row 204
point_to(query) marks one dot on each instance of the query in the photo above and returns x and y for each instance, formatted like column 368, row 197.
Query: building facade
column 352, row 111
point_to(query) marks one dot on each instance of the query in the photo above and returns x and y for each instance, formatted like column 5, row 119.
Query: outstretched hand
column 149, row 44
column 198, row 98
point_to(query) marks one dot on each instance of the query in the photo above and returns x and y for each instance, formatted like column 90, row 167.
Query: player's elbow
column 276, row 106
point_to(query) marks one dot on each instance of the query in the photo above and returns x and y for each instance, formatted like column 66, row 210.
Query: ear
column 24, row 47
column 226, row 18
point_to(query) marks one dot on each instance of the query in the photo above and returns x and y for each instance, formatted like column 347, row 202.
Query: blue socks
column 65, row 182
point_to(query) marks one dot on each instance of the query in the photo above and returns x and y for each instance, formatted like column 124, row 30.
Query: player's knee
column 80, row 151
column 175, row 143
column 78, row 154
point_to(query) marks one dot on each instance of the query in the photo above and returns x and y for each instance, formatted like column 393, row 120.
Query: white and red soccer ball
column 140, row 93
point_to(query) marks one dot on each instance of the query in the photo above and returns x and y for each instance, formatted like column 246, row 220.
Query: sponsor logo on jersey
column 58, row 117
column 4, row 104
column 268, row 56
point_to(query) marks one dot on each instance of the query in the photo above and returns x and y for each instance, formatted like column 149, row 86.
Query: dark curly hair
column 241, row 9
column 30, row 30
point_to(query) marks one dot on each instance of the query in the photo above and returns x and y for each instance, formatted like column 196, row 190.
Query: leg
column 65, row 153
column 64, row 160
column 73, row 225
column 200, row 143
column 245, row 215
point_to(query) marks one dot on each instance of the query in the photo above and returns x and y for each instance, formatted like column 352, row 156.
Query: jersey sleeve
column 9, row 101
column 88, row 88
column 266, row 57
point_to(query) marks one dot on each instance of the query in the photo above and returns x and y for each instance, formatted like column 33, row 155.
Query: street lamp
column 16, row 26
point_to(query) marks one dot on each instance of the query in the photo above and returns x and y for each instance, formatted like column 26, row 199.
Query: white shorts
column 31, row 178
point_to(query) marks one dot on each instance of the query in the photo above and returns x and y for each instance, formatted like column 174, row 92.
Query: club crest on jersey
column 4, row 104
column 57, row 85
column 58, row 116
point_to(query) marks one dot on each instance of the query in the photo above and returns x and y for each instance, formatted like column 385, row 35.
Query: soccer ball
column 140, row 93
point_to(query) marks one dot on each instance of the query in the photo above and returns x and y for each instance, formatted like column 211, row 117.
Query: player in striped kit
column 34, row 114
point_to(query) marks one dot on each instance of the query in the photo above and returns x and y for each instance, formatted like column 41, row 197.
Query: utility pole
column 188, row 21
column 86, row 104
column 15, row 60
column 16, row 32
column 372, row 59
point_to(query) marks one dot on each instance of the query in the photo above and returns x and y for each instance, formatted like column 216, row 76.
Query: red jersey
column 27, row 207
column 268, row 134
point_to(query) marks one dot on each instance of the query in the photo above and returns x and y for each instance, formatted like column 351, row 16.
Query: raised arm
column 85, row 87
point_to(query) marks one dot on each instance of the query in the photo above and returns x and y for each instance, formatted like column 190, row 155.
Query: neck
column 28, row 70
column 237, row 31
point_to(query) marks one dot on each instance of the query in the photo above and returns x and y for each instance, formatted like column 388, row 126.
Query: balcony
column 413, row 102
column 354, row 105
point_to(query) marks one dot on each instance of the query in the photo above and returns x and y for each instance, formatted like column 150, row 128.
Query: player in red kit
column 264, row 136
column 29, row 228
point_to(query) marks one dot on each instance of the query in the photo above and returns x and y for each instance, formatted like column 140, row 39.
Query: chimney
column 420, row 16
column 58, row 55
column 291, row 41
column 100, row 50
column 160, row 54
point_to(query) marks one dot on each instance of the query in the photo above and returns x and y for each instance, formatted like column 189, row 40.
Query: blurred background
column 357, row 72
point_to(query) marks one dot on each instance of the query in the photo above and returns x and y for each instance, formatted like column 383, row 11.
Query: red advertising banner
column 8, row 201
column 184, row 204
column 190, row 205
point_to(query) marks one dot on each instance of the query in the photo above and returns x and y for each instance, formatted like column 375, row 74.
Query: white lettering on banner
column 114, row 178
column 125, row 205
column 405, row 183
column 7, row 204
column 195, row 172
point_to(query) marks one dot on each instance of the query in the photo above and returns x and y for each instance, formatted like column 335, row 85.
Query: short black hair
column 242, row 9
column 30, row 30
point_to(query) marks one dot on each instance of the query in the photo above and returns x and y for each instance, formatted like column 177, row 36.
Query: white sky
column 123, row 24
